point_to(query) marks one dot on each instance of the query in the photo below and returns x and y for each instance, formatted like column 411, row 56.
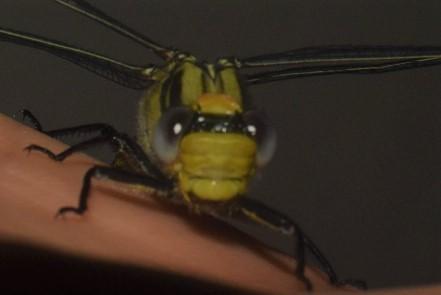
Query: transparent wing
column 137, row 77
column 342, row 55
column 97, row 15
column 315, row 61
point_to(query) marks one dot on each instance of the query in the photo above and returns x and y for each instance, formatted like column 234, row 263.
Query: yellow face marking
column 219, row 104
column 215, row 167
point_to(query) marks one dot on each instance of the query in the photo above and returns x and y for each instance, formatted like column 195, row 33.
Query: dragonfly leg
column 69, row 151
column 261, row 214
column 97, row 128
column 103, row 172
column 128, row 153
column 145, row 173
column 26, row 115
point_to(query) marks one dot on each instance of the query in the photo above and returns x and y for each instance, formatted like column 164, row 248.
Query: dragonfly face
column 217, row 157
column 202, row 136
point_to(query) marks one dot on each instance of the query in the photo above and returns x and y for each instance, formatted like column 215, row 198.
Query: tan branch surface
column 129, row 227
column 123, row 225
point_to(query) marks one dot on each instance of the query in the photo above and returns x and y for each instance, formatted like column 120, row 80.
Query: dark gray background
column 358, row 163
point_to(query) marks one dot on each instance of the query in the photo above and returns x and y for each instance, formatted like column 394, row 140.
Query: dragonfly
column 199, row 140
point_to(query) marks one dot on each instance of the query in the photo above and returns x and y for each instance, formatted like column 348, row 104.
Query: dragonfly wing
column 131, row 76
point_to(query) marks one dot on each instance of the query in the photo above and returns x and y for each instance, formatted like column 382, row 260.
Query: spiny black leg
column 301, row 259
column 99, row 128
column 262, row 214
column 123, row 143
column 133, row 154
column 101, row 172
column 323, row 262
column 27, row 115
column 84, row 195
column 328, row 269
column 69, row 151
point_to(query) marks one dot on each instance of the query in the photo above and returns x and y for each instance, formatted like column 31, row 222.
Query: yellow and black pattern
column 199, row 142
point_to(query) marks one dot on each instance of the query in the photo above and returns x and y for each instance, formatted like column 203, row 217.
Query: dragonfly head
column 213, row 147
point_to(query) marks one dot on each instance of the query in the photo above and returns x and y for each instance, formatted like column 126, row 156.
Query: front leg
column 69, row 151
column 103, row 172
column 141, row 171
column 134, row 155
column 99, row 129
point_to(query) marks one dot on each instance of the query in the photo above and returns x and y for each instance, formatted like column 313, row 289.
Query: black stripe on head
column 221, row 85
column 204, row 82
column 175, row 92
column 163, row 98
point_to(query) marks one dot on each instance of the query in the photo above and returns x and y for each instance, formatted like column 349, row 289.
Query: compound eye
column 258, row 127
column 167, row 134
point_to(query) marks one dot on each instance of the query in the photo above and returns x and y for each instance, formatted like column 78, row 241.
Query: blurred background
column 358, row 164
